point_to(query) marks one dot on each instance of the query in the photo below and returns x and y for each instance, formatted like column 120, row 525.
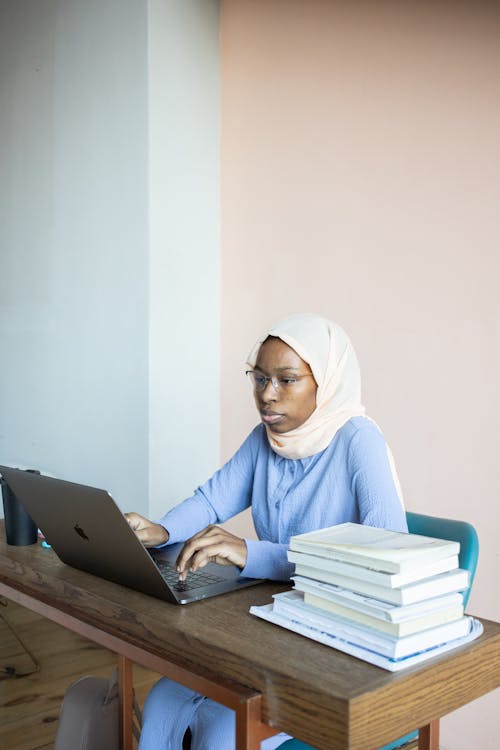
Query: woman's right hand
column 149, row 533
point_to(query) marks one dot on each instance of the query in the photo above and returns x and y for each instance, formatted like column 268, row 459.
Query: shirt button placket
column 284, row 487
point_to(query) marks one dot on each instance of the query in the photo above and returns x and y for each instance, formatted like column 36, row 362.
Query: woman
column 315, row 460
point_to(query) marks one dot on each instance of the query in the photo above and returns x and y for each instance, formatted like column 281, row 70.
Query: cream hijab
column 329, row 353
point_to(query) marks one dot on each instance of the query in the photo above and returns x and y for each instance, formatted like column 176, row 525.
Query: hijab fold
column 326, row 348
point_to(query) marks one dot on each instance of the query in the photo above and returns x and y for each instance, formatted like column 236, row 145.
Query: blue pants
column 171, row 708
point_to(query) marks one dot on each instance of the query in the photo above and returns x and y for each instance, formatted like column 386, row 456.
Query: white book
column 397, row 629
column 266, row 612
column 376, row 607
column 379, row 577
column 292, row 605
column 370, row 547
column 444, row 583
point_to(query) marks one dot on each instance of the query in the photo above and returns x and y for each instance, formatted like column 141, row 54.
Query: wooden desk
column 274, row 679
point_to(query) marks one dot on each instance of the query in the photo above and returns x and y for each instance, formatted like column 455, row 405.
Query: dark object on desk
column 20, row 529
column 88, row 531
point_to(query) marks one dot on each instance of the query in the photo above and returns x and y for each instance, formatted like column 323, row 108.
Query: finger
column 153, row 534
column 149, row 533
column 210, row 535
column 198, row 560
column 143, row 535
column 133, row 519
column 221, row 551
column 207, row 536
column 136, row 521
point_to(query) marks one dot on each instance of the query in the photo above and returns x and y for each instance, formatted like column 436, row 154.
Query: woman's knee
column 213, row 727
column 167, row 695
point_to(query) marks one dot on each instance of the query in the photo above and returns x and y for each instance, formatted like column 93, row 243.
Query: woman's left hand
column 213, row 544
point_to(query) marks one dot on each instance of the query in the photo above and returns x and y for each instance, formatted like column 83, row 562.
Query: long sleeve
column 351, row 480
column 225, row 494
column 267, row 560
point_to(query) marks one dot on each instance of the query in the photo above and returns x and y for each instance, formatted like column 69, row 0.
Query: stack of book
column 390, row 598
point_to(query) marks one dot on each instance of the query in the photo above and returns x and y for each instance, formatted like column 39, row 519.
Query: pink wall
column 361, row 180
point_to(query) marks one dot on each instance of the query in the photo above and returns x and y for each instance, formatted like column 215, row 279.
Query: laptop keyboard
column 193, row 581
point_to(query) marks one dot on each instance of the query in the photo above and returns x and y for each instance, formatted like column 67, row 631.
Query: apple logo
column 80, row 532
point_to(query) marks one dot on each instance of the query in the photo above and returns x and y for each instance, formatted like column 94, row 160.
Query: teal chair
column 456, row 531
column 442, row 528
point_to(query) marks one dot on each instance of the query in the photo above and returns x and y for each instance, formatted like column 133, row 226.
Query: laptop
column 87, row 530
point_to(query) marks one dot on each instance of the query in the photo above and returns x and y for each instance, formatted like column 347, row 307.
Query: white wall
column 184, row 241
column 109, row 243
column 74, row 275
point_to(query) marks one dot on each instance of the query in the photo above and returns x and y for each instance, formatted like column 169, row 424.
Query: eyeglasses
column 281, row 382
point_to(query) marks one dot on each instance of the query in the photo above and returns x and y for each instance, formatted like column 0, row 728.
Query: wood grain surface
column 327, row 698
column 30, row 705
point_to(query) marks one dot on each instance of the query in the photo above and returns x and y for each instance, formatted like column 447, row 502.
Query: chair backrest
column 456, row 531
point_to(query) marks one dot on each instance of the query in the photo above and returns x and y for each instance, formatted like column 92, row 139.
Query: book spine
column 388, row 580
column 393, row 596
column 470, row 629
column 370, row 606
column 413, row 593
column 397, row 629
column 380, row 643
column 387, row 566
column 380, row 626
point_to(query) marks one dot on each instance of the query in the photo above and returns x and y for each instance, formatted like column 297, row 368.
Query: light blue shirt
column 351, row 480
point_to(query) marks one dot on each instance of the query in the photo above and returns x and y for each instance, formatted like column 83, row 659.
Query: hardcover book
column 375, row 607
column 291, row 604
column 370, row 547
column 396, row 629
column 423, row 569
column 444, row 583
column 473, row 628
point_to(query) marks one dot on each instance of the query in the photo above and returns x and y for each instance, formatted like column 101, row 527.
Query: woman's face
column 284, row 408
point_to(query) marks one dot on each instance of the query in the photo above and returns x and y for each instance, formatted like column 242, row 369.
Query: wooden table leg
column 125, row 688
column 249, row 727
column 428, row 736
